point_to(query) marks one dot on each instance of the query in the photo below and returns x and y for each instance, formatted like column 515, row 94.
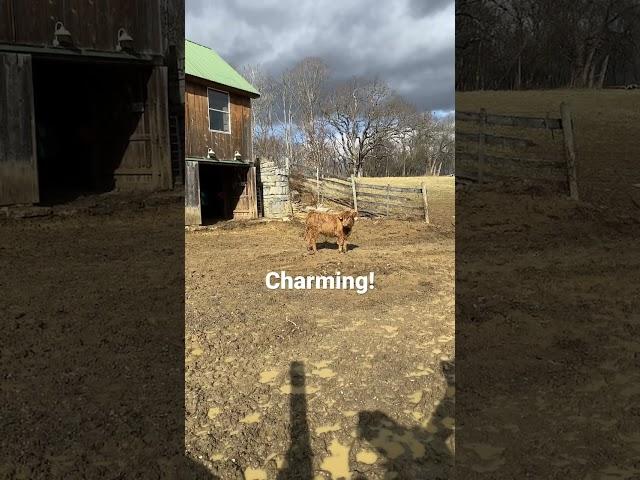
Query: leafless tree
column 288, row 107
column 359, row 127
column 428, row 149
column 514, row 44
column 366, row 117
column 266, row 141
column 308, row 81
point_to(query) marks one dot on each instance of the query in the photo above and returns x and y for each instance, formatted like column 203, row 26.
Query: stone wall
column 275, row 190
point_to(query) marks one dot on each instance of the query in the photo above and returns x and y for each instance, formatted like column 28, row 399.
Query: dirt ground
column 547, row 307
column 546, row 333
column 321, row 384
column 91, row 330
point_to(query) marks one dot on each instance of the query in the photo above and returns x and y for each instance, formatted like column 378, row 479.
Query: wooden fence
column 482, row 165
column 367, row 198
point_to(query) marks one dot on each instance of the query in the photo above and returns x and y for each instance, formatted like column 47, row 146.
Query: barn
column 85, row 99
column 220, row 173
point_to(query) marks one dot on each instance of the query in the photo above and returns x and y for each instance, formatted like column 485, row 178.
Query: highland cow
column 337, row 225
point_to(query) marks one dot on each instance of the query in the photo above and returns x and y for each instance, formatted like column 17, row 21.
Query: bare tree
column 366, row 117
column 513, row 44
column 288, row 107
column 263, row 112
column 443, row 148
column 308, row 81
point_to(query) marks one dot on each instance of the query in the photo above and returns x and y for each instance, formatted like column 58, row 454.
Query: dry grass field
column 606, row 124
column 440, row 192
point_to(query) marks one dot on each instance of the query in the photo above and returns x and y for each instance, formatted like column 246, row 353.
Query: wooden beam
column 355, row 196
column 363, row 185
column 426, row 203
column 391, row 196
column 569, row 149
column 192, row 207
column 512, row 121
column 318, row 186
column 392, row 206
column 483, row 127
column 511, row 166
column 495, row 140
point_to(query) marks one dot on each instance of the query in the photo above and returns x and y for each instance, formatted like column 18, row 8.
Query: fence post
column 355, row 197
column 318, row 186
column 569, row 149
column 426, row 203
column 388, row 186
column 481, row 143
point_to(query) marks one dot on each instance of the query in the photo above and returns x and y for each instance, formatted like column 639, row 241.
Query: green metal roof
column 203, row 62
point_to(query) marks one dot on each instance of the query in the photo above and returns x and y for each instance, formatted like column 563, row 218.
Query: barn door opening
column 87, row 117
column 227, row 192
column 18, row 165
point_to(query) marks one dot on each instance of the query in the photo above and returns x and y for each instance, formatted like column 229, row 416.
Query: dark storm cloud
column 423, row 8
column 408, row 43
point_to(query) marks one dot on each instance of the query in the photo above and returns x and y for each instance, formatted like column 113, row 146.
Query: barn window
column 219, row 111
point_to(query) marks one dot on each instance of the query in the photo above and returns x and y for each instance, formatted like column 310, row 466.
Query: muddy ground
column 546, row 332
column 320, row 384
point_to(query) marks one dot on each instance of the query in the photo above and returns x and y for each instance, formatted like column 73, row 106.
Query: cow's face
column 348, row 218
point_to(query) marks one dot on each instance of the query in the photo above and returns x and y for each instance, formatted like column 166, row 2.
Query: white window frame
column 215, row 109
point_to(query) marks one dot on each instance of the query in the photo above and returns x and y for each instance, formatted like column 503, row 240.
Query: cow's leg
column 344, row 246
column 307, row 237
column 311, row 239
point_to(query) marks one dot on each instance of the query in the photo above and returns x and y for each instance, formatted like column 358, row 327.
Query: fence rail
column 511, row 121
column 369, row 199
column 481, row 166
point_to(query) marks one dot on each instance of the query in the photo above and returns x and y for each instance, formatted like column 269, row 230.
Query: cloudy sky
column 408, row 43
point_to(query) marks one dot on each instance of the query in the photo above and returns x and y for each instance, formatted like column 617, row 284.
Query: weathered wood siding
column 247, row 206
column 18, row 163
column 198, row 136
column 93, row 24
column 146, row 163
column 192, row 207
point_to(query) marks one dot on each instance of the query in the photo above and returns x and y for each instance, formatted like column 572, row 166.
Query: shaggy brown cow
column 337, row 225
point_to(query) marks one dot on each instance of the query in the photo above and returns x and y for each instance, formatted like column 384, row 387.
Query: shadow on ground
column 334, row 246
column 299, row 458
column 427, row 454
column 193, row 470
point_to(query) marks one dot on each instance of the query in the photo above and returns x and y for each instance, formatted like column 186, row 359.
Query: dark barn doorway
column 223, row 192
column 85, row 115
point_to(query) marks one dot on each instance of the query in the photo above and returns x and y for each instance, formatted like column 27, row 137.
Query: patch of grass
column 440, row 193
column 431, row 182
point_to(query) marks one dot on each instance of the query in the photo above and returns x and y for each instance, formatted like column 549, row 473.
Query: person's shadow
column 414, row 452
column 192, row 470
column 299, row 458
column 407, row 452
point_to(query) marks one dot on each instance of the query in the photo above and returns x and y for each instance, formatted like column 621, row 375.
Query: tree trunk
column 592, row 75
column 603, row 71
column 586, row 68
